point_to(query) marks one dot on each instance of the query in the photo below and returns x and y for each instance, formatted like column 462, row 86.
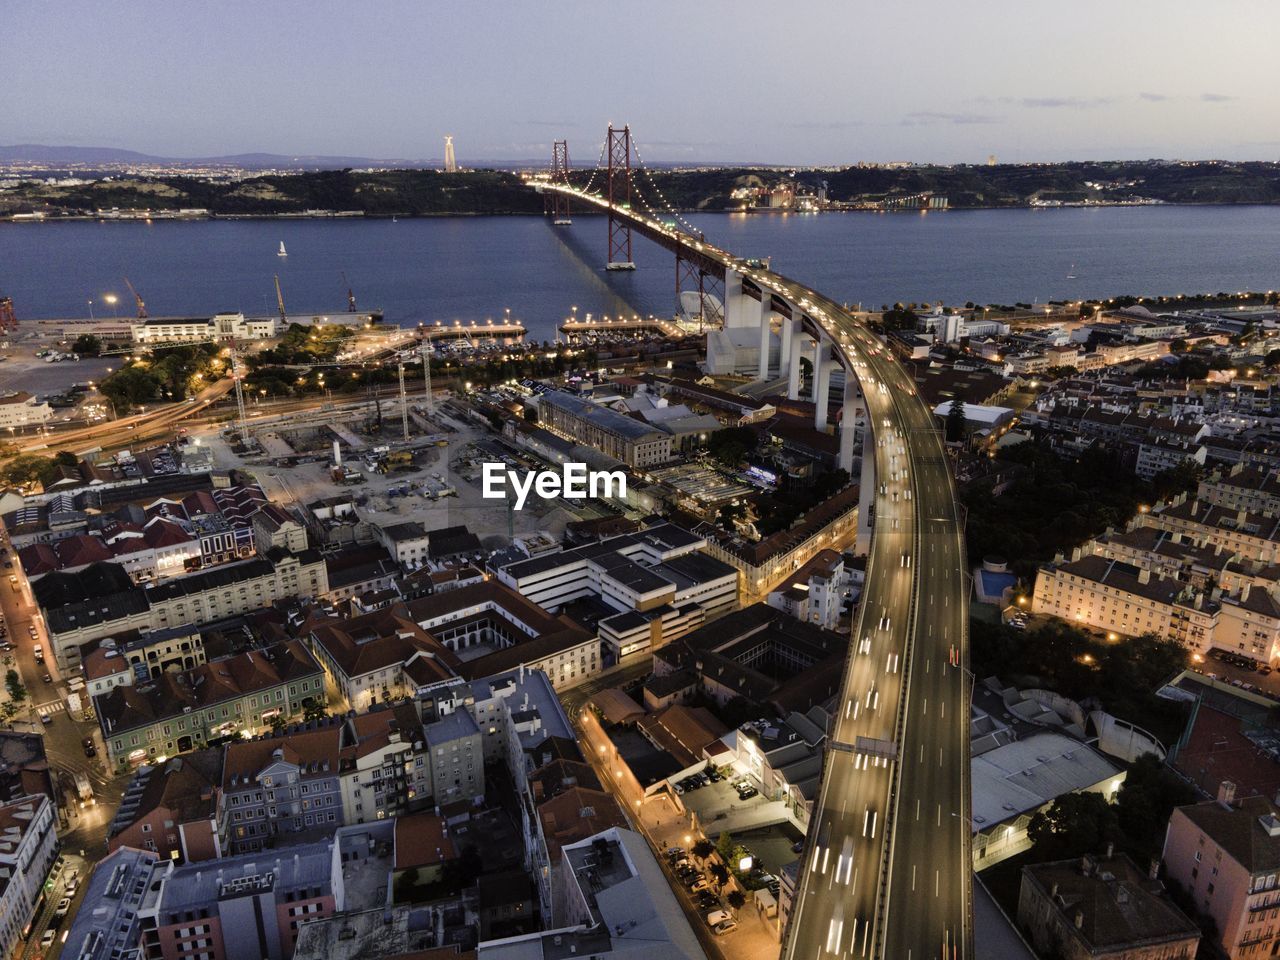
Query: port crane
column 8, row 321
column 351, row 296
column 142, row 307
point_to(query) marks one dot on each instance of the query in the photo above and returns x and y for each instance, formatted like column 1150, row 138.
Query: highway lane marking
column 939, row 756
column 913, row 877
column 937, row 881
column 939, row 814
column 917, row 808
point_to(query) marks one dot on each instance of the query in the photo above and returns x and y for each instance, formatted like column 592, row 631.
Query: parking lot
column 719, row 807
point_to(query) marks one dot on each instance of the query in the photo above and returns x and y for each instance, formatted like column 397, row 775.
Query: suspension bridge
column 887, row 869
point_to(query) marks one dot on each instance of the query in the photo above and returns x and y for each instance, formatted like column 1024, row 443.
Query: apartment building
column 1102, row 908
column 1225, row 854
column 180, row 711
column 379, row 657
column 1247, row 487
column 28, row 846
column 1254, row 536
column 171, row 809
column 658, row 580
column 1159, row 454
column 407, row 542
column 1115, row 596
column 816, row 593
column 104, row 602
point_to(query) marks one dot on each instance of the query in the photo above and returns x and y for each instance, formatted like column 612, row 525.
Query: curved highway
column 887, row 870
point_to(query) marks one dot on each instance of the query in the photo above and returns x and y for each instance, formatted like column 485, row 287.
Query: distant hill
column 401, row 191
column 59, row 157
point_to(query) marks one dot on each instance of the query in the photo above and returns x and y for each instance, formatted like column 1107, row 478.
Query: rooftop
column 1110, row 903
column 1022, row 776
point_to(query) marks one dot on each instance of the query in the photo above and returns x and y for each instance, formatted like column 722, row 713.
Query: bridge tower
column 618, row 149
column 8, row 320
column 558, row 203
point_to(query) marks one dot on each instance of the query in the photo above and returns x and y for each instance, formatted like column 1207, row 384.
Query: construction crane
column 142, row 307
column 351, row 296
column 280, row 301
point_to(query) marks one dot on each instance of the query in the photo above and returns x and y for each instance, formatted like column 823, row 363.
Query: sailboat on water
column 282, row 252
column 1071, row 274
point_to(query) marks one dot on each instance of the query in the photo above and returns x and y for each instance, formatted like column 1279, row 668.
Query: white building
column 28, row 846
column 816, row 592
column 1013, row 782
column 222, row 326
column 20, row 409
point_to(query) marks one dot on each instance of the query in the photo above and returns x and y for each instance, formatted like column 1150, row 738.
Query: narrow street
column 82, row 828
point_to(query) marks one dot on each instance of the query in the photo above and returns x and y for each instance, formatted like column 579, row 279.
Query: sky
column 806, row 82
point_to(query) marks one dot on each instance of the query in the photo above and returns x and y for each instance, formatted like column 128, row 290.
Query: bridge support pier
column 850, row 409
column 784, row 345
column 798, row 340
column 823, row 361
column 765, row 336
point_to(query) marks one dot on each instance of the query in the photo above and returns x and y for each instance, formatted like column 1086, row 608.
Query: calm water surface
column 474, row 268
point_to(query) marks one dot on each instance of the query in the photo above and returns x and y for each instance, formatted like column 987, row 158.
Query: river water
column 473, row 268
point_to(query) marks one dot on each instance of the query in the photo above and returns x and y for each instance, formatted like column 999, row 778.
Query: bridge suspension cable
column 668, row 207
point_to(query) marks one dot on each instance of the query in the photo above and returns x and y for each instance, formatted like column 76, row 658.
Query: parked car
column 47, row 938
column 725, row 926
column 699, row 884
column 748, row 793
column 46, row 719
column 706, row 899
column 90, row 749
column 718, row 916
column 674, row 853
column 61, row 910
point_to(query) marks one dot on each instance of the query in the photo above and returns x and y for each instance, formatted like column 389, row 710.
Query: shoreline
column 174, row 217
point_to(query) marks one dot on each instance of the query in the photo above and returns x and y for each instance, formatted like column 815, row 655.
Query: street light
column 111, row 298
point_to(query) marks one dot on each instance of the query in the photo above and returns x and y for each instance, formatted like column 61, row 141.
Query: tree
column 724, row 845
column 13, row 683
column 129, row 386
column 27, row 469
column 719, row 873
column 1075, row 824
column 703, row 848
column 956, row 420
column 1179, row 345
column 1147, row 797
column 736, row 900
column 87, row 345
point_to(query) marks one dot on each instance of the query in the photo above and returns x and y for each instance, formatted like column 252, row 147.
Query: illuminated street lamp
column 111, row 298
